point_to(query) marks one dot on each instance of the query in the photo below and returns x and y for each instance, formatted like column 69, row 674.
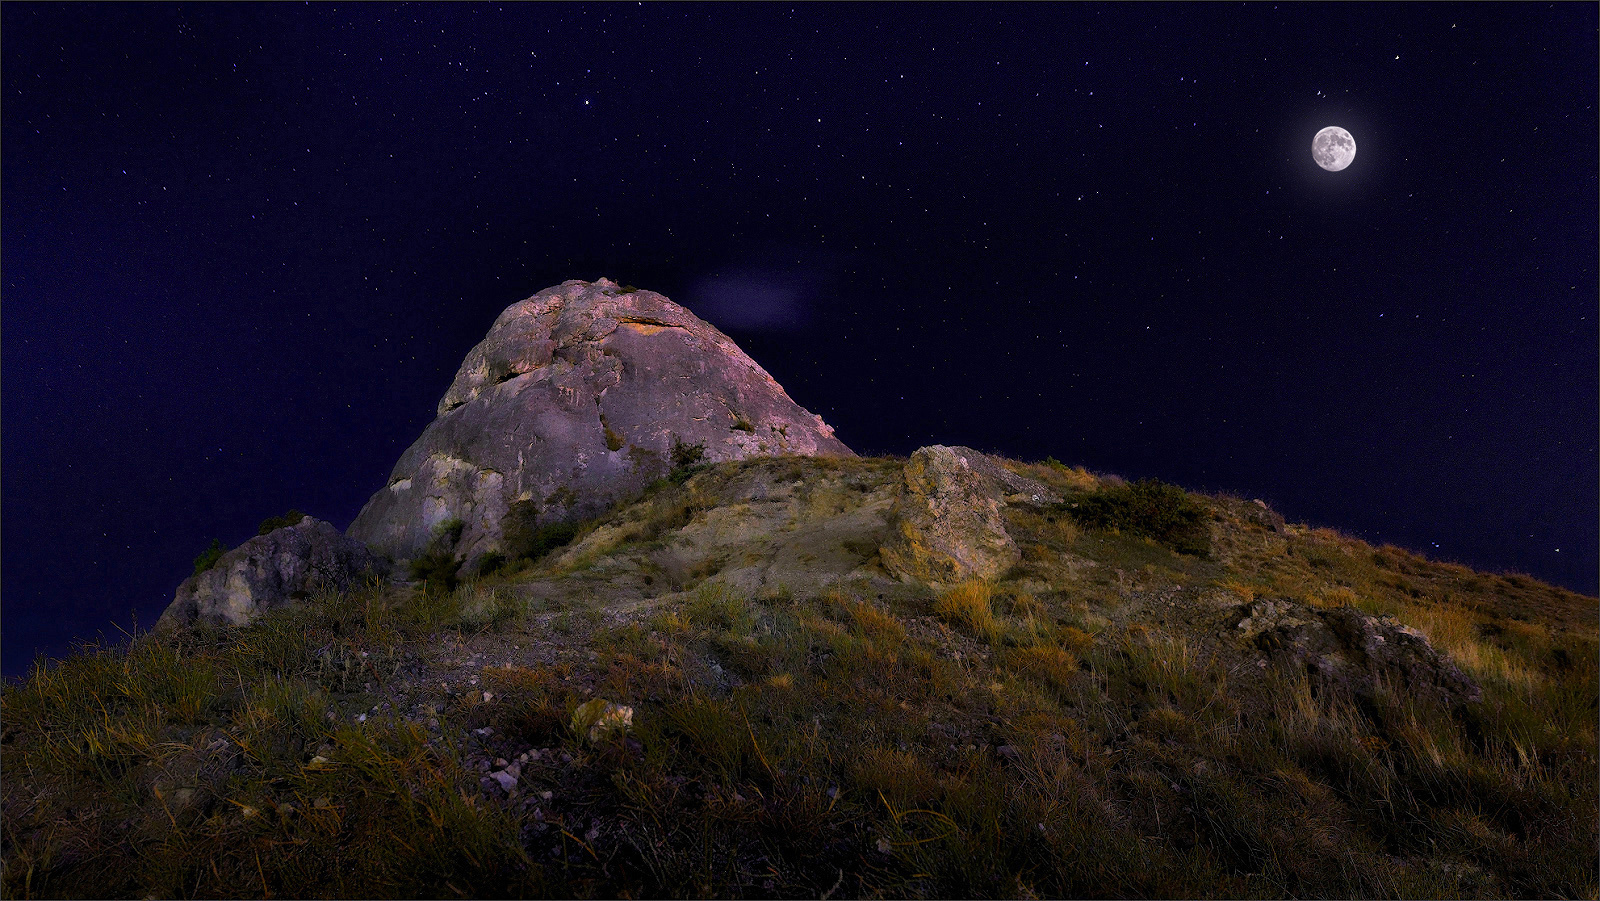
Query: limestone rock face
column 269, row 571
column 1344, row 646
column 575, row 399
column 946, row 522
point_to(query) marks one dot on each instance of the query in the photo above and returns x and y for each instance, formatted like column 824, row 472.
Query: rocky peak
column 577, row 397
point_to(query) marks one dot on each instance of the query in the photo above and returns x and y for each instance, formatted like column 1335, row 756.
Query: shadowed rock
column 1346, row 647
column 268, row 571
column 575, row 399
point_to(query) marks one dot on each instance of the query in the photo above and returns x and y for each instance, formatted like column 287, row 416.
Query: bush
column 1150, row 509
column 437, row 568
column 274, row 523
column 451, row 529
column 491, row 563
column 209, row 557
column 525, row 537
column 686, row 460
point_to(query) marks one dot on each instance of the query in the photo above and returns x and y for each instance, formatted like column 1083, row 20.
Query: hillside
column 1163, row 694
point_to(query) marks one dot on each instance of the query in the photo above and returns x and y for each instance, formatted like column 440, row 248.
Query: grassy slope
column 1081, row 728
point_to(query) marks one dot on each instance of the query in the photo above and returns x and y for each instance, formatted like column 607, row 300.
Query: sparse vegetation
column 1080, row 727
column 274, row 523
column 209, row 557
column 1149, row 509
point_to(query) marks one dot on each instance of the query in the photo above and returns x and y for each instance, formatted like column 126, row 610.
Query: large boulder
column 271, row 570
column 1345, row 647
column 946, row 524
column 575, row 399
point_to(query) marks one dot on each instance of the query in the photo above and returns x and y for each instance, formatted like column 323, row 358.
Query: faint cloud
column 755, row 299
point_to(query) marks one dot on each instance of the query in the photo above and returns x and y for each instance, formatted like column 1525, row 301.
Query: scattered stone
column 598, row 718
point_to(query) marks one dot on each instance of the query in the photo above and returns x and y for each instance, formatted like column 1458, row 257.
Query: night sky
column 245, row 247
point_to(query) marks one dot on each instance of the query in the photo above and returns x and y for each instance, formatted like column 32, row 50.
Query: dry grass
column 969, row 604
column 846, row 745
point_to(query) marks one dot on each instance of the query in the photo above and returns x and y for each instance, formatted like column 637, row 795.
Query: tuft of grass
column 614, row 441
column 969, row 604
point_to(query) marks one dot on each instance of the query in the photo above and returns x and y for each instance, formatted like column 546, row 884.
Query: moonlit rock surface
column 572, row 401
column 269, row 571
column 946, row 521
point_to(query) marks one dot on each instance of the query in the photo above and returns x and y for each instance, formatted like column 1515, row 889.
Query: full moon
column 1333, row 148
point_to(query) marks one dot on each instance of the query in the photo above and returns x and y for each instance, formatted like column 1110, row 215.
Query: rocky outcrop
column 946, row 523
column 1002, row 484
column 1346, row 647
column 269, row 571
column 577, row 398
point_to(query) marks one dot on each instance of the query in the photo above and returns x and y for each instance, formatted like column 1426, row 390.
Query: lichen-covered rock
column 270, row 571
column 575, row 399
column 1346, row 647
column 946, row 524
column 1004, row 485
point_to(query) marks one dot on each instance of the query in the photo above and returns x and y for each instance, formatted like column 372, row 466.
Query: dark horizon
column 245, row 247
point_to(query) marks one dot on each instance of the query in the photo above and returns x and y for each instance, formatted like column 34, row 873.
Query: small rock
column 547, row 795
column 361, row 717
column 485, row 731
column 1009, row 752
column 500, row 761
column 507, row 781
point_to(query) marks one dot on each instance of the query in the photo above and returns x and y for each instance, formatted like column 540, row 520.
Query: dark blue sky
column 244, row 248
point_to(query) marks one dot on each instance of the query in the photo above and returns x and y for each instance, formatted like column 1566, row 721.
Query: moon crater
column 1333, row 148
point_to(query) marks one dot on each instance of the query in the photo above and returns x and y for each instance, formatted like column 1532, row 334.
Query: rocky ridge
column 579, row 396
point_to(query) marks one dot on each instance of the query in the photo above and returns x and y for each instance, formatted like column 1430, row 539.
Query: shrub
column 490, row 563
column 526, row 538
column 437, row 568
column 1150, row 509
column 274, row 523
column 743, row 425
column 451, row 529
column 685, row 456
column 209, row 557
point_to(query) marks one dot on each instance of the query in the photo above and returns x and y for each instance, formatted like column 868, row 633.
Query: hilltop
column 775, row 677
